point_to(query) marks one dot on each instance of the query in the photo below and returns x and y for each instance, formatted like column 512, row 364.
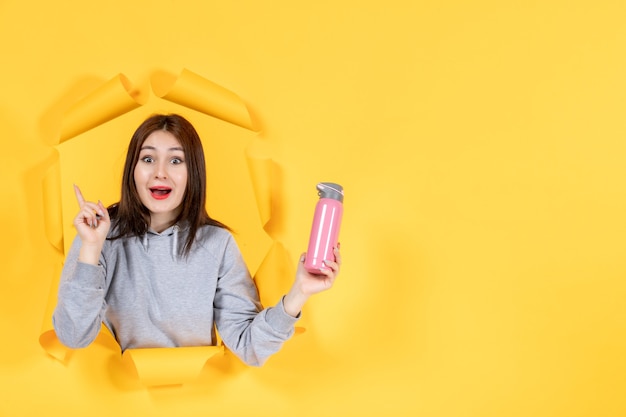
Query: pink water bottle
column 325, row 229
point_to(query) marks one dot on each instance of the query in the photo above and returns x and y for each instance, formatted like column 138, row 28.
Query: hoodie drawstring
column 175, row 242
column 145, row 241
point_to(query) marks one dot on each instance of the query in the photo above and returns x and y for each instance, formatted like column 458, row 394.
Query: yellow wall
column 481, row 146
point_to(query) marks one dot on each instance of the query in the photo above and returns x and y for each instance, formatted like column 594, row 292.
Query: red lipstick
column 160, row 193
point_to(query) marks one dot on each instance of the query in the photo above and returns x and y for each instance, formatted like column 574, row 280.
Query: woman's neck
column 159, row 224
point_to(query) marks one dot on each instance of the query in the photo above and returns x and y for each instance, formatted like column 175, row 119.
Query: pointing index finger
column 79, row 195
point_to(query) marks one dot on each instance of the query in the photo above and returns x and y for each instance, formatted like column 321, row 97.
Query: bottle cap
column 330, row 190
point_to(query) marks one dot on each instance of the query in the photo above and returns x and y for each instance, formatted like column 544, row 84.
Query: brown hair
column 130, row 216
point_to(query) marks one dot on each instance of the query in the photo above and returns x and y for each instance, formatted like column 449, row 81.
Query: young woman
column 159, row 272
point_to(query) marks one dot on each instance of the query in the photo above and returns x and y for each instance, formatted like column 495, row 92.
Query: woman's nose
column 161, row 170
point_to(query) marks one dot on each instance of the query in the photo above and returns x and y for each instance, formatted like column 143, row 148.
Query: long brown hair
column 130, row 216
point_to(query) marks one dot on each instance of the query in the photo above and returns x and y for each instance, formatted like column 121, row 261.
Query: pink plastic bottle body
column 324, row 234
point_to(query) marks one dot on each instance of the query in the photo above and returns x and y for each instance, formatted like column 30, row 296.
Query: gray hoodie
column 148, row 295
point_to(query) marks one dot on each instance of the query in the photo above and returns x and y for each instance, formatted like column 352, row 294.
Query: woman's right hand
column 92, row 224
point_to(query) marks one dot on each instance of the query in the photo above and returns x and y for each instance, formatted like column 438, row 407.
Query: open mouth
column 160, row 193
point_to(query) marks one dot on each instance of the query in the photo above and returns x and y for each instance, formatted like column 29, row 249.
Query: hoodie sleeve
column 80, row 306
column 248, row 330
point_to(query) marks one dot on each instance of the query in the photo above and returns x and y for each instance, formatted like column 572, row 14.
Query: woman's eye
column 176, row 161
column 147, row 159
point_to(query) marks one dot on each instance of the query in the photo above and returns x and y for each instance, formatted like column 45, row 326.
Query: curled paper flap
column 274, row 275
column 53, row 217
column 198, row 93
column 62, row 353
column 53, row 347
column 110, row 100
column 261, row 176
column 169, row 366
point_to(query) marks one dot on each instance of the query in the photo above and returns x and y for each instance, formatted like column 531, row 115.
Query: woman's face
column 161, row 178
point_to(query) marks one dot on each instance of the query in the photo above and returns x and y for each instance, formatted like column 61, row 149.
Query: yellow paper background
column 481, row 146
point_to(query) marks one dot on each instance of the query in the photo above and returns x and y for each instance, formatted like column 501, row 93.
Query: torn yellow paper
column 198, row 93
column 53, row 346
column 47, row 338
column 114, row 98
column 52, row 202
column 169, row 366
column 273, row 275
column 261, row 174
column 155, row 366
